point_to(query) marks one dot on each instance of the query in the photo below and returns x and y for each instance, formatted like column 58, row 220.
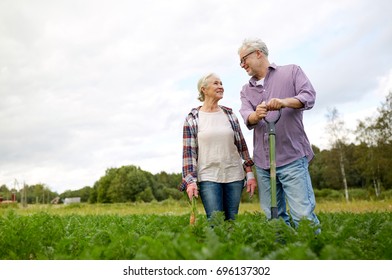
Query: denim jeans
column 223, row 197
column 293, row 184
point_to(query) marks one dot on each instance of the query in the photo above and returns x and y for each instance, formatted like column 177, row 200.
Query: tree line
column 365, row 164
column 124, row 184
column 362, row 165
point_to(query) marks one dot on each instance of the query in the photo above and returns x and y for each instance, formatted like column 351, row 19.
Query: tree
column 375, row 137
column 384, row 122
column 127, row 183
column 338, row 139
column 368, row 160
column 4, row 192
column 383, row 126
column 103, row 184
column 121, row 184
column 93, row 196
column 166, row 185
column 145, row 196
column 315, row 168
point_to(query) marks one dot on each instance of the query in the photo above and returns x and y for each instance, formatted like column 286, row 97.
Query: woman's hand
column 192, row 191
column 251, row 184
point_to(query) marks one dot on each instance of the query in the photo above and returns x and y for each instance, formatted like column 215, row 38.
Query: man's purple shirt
column 291, row 140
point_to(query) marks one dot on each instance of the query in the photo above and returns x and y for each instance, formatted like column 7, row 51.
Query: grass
column 174, row 207
column 360, row 206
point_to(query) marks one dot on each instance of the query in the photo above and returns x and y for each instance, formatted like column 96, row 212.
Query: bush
column 328, row 194
column 386, row 194
column 359, row 194
column 353, row 194
column 9, row 205
column 145, row 196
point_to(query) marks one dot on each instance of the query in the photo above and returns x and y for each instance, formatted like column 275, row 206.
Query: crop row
column 46, row 236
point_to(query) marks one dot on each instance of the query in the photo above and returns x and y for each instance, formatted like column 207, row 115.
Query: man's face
column 248, row 59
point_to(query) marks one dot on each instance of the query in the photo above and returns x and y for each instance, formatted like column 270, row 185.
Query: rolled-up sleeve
column 246, row 109
column 303, row 88
column 189, row 156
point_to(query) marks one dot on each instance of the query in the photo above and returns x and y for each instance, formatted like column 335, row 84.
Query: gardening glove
column 191, row 190
column 251, row 183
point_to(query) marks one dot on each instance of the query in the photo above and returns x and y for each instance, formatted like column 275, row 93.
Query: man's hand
column 261, row 111
column 276, row 103
column 258, row 114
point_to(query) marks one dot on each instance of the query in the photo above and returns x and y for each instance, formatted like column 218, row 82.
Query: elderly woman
column 215, row 155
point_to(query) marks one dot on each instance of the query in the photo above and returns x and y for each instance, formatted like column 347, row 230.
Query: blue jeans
column 223, row 197
column 292, row 184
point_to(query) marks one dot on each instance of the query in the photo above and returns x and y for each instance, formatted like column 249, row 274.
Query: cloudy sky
column 88, row 85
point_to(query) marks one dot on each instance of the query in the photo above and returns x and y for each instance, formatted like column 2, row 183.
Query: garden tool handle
column 272, row 135
column 271, row 123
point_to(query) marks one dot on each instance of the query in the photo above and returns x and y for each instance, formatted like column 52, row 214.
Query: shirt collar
column 195, row 111
column 253, row 80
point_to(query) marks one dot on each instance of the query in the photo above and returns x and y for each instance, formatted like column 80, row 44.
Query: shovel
column 271, row 137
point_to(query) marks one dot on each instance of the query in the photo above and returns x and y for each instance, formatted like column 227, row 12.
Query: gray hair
column 253, row 45
column 203, row 83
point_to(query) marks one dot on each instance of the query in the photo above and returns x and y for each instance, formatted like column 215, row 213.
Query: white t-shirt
column 218, row 157
column 260, row 82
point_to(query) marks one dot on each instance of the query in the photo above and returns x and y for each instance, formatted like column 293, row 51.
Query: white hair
column 253, row 45
column 203, row 83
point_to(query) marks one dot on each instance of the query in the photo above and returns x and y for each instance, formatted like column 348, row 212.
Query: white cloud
column 350, row 112
column 85, row 85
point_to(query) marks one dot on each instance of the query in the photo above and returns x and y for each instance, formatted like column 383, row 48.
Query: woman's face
column 214, row 89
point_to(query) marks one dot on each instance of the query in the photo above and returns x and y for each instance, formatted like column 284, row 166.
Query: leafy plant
column 45, row 236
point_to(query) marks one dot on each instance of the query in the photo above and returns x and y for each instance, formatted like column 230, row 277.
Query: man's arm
column 277, row 103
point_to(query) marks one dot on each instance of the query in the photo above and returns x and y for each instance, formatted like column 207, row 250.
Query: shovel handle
column 276, row 119
column 271, row 123
column 271, row 129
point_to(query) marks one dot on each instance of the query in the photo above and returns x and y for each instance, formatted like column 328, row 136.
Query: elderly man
column 271, row 88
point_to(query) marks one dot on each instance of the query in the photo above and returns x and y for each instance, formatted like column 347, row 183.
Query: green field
column 179, row 207
column 161, row 231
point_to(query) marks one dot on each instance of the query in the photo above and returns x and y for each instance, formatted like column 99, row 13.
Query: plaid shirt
column 190, row 145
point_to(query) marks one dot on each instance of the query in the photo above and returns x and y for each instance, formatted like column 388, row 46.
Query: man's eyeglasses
column 243, row 59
